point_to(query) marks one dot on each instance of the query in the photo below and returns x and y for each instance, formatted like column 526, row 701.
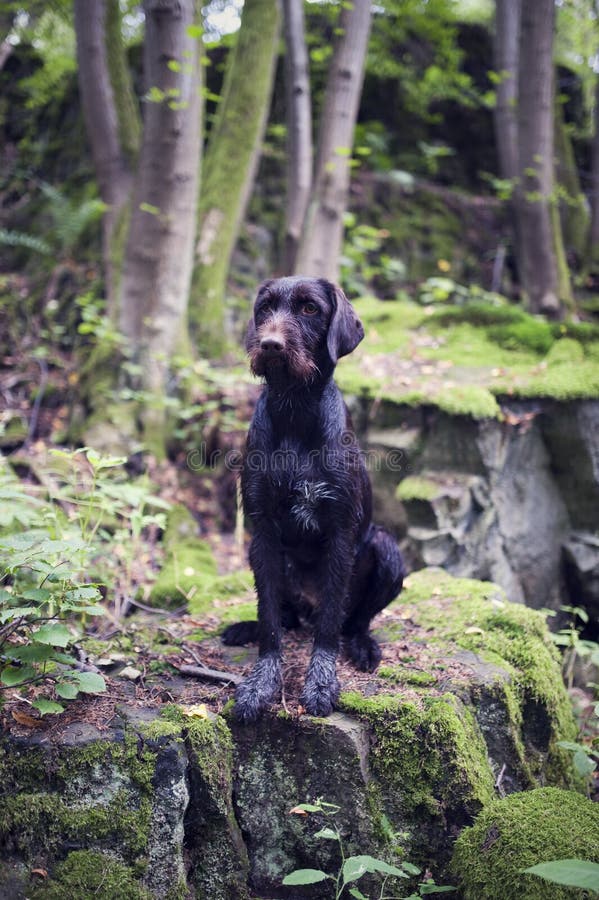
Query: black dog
column 315, row 553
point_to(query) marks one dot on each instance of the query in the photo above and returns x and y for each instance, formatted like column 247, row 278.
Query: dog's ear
column 345, row 329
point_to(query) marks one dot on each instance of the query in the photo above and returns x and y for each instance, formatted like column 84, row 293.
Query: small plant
column 42, row 590
column 364, row 262
column 353, row 868
column 584, row 757
column 57, row 545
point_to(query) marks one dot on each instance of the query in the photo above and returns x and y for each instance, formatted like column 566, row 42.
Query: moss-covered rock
column 110, row 792
column 219, row 860
column 189, row 563
column 187, row 800
column 88, row 873
column 520, row 831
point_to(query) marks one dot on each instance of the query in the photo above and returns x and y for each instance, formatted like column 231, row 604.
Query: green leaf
column 583, row 763
column 410, row 868
column 47, row 706
column 355, row 892
column 327, row 833
column 29, row 653
column 90, row 682
column 578, row 873
column 39, row 595
column 174, row 65
column 570, row 745
column 57, row 635
column 67, row 690
column 16, row 612
column 435, row 889
column 356, row 866
column 305, row 876
column 194, row 31
column 13, row 675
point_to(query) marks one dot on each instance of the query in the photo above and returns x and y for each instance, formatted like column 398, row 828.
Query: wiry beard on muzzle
column 293, row 361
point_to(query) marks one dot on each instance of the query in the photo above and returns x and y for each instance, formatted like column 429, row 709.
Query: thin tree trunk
column 230, row 164
column 299, row 128
column 506, row 48
column 111, row 119
column 544, row 275
column 573, row 210
column 593, row 249
column 322, row 234
column 159, row 252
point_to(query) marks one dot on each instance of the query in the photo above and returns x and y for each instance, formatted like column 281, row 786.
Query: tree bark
column 574, row 215
column 299, row 128
column 544, row 276
column 111, row 120
column 593, row 248
column 322, row 234
column 159, row 251
column 230, row 164
column 506, row 48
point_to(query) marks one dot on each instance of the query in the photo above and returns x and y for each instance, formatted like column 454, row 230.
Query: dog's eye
column 309, row 309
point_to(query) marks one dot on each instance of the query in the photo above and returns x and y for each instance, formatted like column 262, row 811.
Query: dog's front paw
column 260, row 688
column 364, row 652
column 321, row 689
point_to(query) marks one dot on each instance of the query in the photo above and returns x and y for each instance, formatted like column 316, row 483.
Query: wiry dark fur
column 315, row 552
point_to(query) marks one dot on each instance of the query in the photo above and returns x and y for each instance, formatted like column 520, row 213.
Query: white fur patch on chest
column 307, row 497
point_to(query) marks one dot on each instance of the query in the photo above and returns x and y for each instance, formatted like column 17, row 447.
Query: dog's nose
column 271, row 344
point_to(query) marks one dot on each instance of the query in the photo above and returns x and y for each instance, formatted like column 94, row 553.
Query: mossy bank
column 467, row 705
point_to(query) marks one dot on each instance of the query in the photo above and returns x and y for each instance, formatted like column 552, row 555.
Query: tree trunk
column 230, row 164
column 299, row 128
column 322, row 234
column 544, row 275
column 112, row 122
column 593, row 248
column 506, row 46
column 574, row 214
column 159, row 251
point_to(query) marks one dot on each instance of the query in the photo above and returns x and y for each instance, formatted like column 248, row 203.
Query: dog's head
column 300, row 328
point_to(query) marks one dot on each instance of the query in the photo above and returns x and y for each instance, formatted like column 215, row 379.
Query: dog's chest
column 300, row 494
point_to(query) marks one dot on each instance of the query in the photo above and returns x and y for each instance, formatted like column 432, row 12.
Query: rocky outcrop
column 512, row 499
column 467, row 706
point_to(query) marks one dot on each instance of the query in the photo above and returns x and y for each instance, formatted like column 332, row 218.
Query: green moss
column 189, row 562
column 559, row 382
column 224, row 587
column 403, row 675
column 47, row 796
column 220, row 870
column 476, row 616
column 566, row 351
column 519, row 831
column 431, row 757
column 466, row 356
column 88, row 873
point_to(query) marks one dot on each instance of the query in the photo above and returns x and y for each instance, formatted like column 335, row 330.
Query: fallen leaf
column 297, row 810
column 473, row 630
column 25, row 719
column 41, row 872
column 199, row 711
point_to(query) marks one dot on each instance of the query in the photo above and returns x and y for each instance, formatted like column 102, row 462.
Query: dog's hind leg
column 377, row 579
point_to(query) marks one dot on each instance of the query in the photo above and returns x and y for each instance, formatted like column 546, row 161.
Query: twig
column 500, row 779
column 35, row 412
column 209, row 674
